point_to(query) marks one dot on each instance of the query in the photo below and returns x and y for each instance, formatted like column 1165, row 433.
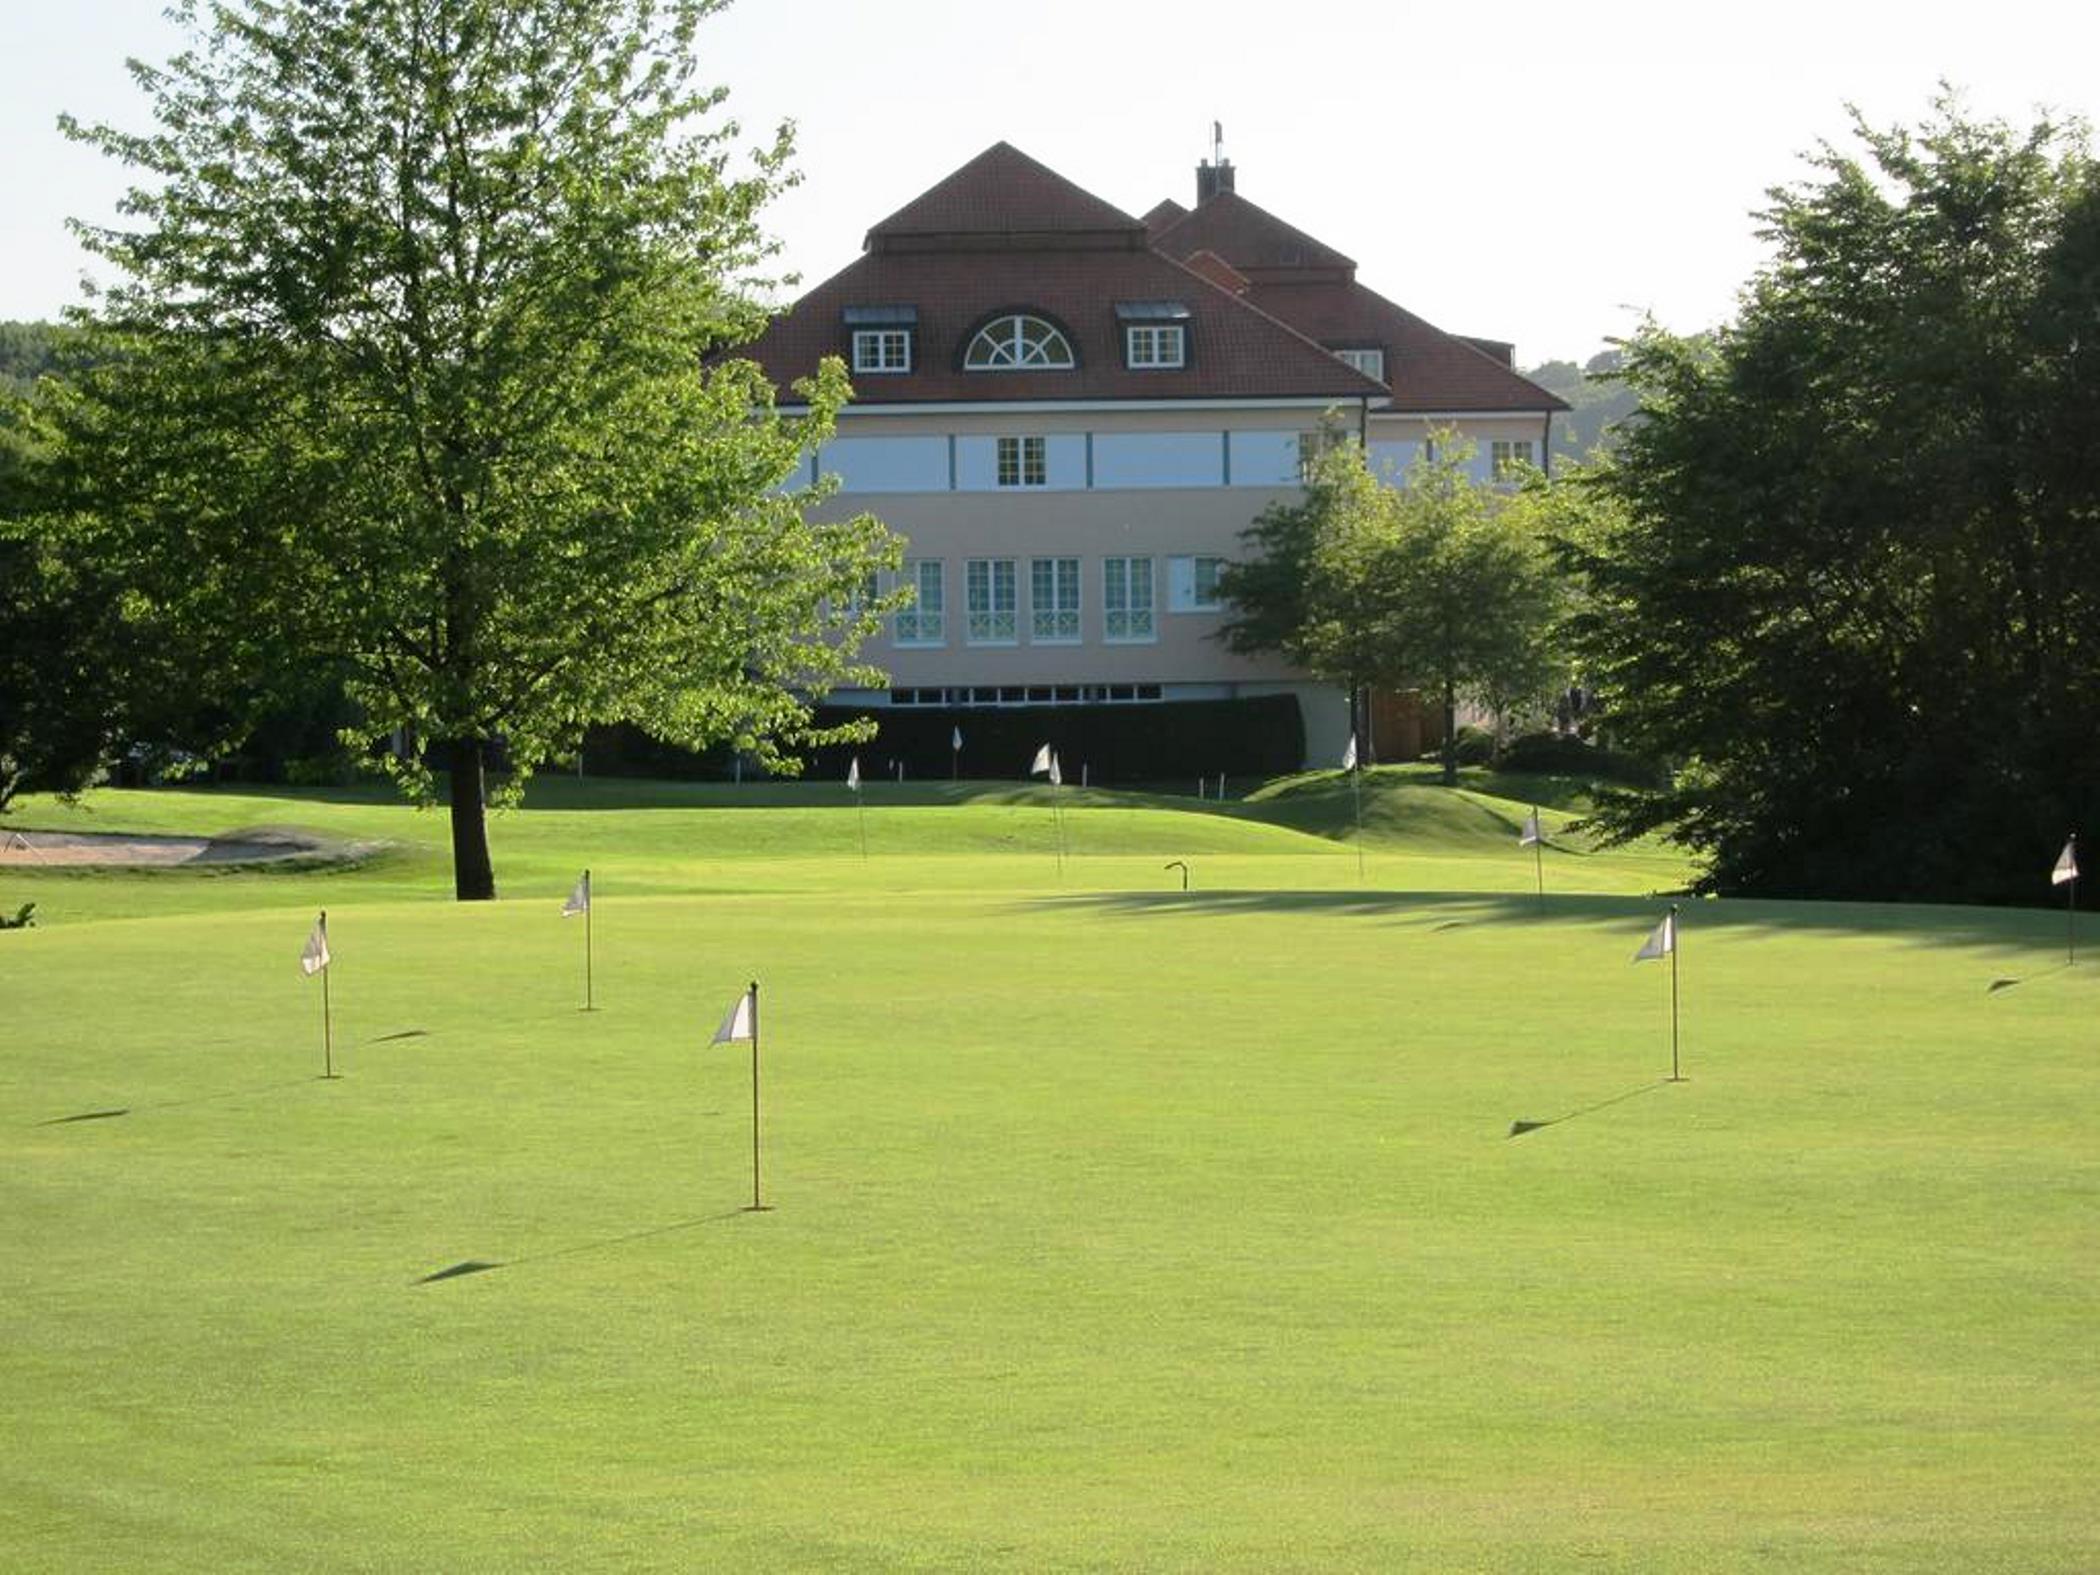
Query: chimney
column 1212, row 179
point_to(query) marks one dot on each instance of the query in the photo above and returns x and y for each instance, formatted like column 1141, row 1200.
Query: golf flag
column 1530, row 834
column 1349, row 755
column 315, row 955
column 737, row 1025
column 1662, row 942
column 1043, row 759
column 853, row 774
column 579, row 897
column 955, row 739
column 1057, row 777
column 2066, row 864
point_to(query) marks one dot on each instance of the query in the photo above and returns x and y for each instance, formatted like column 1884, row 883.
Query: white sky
column 1527, row 171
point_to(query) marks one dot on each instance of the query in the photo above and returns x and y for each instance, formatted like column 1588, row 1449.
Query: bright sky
column 1529, row 171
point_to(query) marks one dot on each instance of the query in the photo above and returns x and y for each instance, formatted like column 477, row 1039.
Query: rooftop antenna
column 1217, row 142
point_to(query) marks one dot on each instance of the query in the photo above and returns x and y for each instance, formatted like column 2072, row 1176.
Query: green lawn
column 1113, row 1227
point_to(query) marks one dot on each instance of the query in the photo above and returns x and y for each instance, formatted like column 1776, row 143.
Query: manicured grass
column 1112, row 1227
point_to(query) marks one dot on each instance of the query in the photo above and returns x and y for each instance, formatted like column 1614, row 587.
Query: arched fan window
column 1019, row 344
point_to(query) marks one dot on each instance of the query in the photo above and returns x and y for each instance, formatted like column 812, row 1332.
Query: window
column 988, row 587
column 1126, row 599
column 1157, row 346
column 1311, row 445
column 925, row 621
column 882, row 349
column 1019, row 343
column 1369, row 362
column 1053, row 601
column 1023, row 462
column 1505, row 456
column 1192, row 584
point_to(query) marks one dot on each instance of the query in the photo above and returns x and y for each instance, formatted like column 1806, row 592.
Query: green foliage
column 1601, row 402
column 422, row 364
column 1849, row 576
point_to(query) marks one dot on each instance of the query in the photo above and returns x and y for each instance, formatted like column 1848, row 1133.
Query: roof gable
column 1004, row 200
column 1256, row 242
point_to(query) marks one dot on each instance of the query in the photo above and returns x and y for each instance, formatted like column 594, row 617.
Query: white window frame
column 1367, row 359
column 1155, row 346
column 1185, row 588
column 1053, row 620
column 1019, row 343
column 882, row 349
column 925, row 622
column 1025, row 459
column 1129, row 617
column 1506, row 454
column 991, row 618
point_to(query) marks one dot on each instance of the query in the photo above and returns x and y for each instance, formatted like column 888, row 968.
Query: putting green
column 1111, row 1226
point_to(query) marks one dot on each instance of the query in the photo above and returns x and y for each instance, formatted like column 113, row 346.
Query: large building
column 1072, row 414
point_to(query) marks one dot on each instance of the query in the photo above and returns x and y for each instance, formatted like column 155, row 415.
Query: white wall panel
column 1390, row 459
column 1264, row 459
column 1158, row 459
column 887, row 464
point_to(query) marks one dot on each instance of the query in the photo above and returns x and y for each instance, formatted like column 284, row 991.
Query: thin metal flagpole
column 1674, row 927
column 327, row 1014
column 588, row 903
column 1356, row 781
column 1538, row 855
column 755, row 1203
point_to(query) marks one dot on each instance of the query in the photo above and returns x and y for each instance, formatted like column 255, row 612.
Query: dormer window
column 882, row 337
column 1019, row 343
column 1367, row 359
column 1155, row 334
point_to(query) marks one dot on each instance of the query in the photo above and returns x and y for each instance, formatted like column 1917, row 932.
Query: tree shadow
column 1518, row 1129
column 468, row 1266
column 2026, row 978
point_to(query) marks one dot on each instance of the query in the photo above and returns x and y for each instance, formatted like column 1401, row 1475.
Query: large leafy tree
column 1849, row 575
column 1441, row 585
column 420, row 360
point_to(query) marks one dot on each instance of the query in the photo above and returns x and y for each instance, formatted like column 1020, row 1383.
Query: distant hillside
column 27, row 352
column 1599, row 404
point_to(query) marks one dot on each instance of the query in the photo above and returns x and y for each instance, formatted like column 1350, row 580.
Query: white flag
column 741, row 1021
column 1043, row 758
column 853, row 774
column 1057, row 777
column 579, row 898
column 1349, row 755
column 955, row 740
column 315, row 955
column 1530, row 833
column 1662, row 942
column 2066, row 864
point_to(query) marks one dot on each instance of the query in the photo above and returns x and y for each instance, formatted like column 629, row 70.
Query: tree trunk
column 473, row 876
column 1450, row 733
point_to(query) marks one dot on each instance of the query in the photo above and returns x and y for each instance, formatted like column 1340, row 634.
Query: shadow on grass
column 172, row 1104
column 2019, row 929
column 467, row 1266
column 406, row 1033
column 2026, row 978
column 1518, row 1129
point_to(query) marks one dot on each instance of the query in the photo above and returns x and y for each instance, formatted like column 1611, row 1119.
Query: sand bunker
column 136, row 848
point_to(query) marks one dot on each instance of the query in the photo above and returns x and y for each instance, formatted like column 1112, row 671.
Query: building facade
column 1072, row 415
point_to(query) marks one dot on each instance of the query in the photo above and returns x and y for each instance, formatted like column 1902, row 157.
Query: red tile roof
column 1253, row 240
column 1001, row 198
column 1234, row 350
column 1427, row 369
column 1163, row 213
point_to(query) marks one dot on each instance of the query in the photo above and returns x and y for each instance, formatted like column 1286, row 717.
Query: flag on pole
column 2066, row 864
column 737, row 1025
column 1661, row 943
column 1057, row 776
column 955, row 739
column 314, row 957
column 1043, row 761
column 579, row 897
column 1349, row 755
column 853, row 774
column 1530, row 834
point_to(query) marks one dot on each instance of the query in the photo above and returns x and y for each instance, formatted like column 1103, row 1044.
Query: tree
column 421, row 363
column 1849, row 581
column 1441, row 585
